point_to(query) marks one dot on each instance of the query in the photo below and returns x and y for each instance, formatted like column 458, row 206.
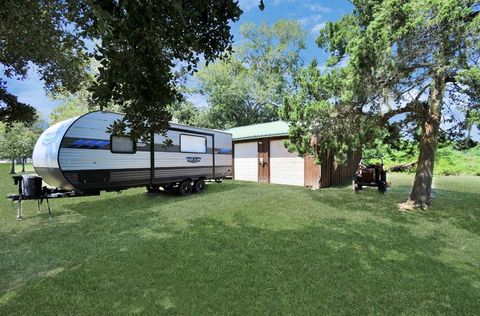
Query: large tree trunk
column 12, row 169
column 23, row 164
column 422, row 185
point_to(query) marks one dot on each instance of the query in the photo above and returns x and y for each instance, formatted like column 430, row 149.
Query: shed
column 260, row 155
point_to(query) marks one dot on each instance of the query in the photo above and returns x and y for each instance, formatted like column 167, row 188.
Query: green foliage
column 18, row 140
column 319, row 125
column 46, row 34
column 448, row 159
column 72, row 105
column 249, row 86
column 185, row 112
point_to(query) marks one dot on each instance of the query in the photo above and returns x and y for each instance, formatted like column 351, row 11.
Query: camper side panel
column 87, row 161
column 183, row 153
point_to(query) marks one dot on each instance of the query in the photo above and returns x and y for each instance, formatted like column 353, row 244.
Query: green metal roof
column 271, row 129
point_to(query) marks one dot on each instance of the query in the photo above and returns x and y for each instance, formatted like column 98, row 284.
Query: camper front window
column 122, row 145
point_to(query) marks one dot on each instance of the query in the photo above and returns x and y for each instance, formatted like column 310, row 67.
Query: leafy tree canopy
column 187, row 113
column 140, row 44
column 411, row 57
column 44, row 34
column 249, row 86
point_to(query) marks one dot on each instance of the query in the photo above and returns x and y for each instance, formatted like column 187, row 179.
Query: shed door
column 246, row 161
column 285, row 167
column 263, row 161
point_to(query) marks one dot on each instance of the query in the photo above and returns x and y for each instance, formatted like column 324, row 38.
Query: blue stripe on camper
column 89, row 143
column 223, row 151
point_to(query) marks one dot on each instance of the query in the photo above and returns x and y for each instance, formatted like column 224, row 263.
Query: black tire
column 382, row 187
column 153, row 188
column 198, row 186
column 185, row 187
column 357, row 187
column 167, row 187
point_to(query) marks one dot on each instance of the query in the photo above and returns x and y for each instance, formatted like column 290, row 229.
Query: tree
column 410, row 57
column 472, row 118
column 18, row 141
column 142, row 43
column 249, row 86
column 45, row 34
column 185, row 112
column 138, row 43
column 72, row 105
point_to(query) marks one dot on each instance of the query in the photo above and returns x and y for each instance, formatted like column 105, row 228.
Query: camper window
column 193, row 144
column 122, row 145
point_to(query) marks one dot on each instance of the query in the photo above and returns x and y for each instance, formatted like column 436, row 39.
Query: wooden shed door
column 263, row 161
column 312, row 173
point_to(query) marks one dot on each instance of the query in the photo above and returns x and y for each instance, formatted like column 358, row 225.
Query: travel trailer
column 80, row 155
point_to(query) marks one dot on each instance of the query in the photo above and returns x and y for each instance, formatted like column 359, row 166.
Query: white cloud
column 247, row 5
column 310, row 19
column 317, row 27
column 317, row 8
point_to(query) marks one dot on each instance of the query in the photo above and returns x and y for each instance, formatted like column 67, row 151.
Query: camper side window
column 122, row 145
column 193, row 144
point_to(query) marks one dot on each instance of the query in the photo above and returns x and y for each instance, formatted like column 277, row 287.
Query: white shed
column 261, row 156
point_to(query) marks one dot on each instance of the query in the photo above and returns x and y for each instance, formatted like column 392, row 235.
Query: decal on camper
column 194, row 159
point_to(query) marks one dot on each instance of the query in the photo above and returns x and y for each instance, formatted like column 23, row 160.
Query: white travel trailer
column 80, row 155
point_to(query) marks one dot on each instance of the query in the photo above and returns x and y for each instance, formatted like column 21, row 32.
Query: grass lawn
column 244, row 248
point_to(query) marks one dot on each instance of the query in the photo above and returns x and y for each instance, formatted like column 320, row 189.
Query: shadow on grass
column 460, row 208
column 335, row 267
column 125, row 202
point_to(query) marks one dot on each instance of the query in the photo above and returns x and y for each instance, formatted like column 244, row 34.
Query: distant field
column 448, row 161
column 244, row 248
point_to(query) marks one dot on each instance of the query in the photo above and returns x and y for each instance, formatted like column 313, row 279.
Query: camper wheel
column 168, row 187
column 198, row 185
column 153, row 188
column 185, row 187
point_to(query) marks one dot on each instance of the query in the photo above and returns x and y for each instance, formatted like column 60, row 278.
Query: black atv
column 370, row 174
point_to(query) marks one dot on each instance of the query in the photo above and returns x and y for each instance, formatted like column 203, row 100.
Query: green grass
column 245, row 248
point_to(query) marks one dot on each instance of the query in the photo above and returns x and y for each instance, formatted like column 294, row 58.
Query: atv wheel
column 382, row 187
column 357, row 186
column 198, row 186
column 185, row 187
